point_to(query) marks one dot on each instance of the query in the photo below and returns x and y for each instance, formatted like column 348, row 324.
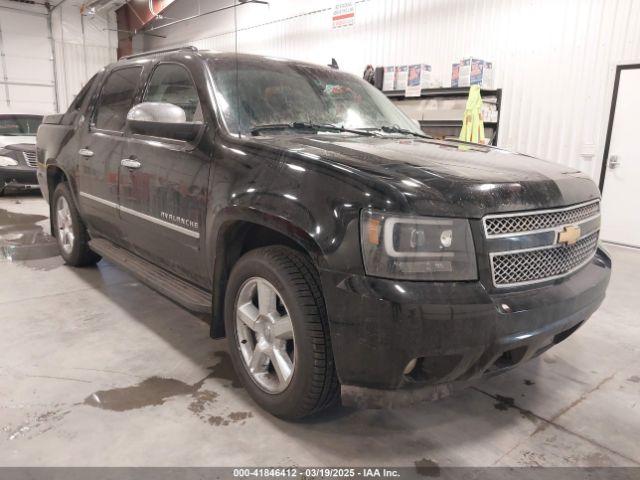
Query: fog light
column 410, row 366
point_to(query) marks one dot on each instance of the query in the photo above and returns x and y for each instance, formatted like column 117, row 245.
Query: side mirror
column 160, row 119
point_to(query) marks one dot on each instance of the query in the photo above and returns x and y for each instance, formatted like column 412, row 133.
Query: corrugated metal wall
column 554, row 59
column 83, row 45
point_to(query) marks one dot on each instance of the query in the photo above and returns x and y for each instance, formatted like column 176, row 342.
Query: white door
column 621, row 192
column 26, row 63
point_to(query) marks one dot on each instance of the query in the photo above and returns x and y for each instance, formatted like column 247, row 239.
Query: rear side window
column 80, row 98
column 117, row 98
column 171, row 83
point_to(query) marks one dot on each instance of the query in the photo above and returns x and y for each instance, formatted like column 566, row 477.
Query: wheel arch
column 239, row 235
column 56, row 175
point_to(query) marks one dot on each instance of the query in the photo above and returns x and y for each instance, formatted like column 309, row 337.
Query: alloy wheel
column 265, row 335
column 64, row 223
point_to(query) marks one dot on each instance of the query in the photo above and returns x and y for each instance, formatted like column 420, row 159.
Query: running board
column 187, row 295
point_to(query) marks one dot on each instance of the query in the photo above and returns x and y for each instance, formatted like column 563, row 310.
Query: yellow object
column 472, row 124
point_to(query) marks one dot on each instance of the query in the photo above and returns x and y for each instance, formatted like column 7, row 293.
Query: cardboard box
column 455, row 74
column 487, row 75
column 475, row 71
column 464, row 78
column 426, row 80
column 475, row 75
column 389, row 79
column 489, row 112
column 402, row 73
column 414, row 75
column 414, row 81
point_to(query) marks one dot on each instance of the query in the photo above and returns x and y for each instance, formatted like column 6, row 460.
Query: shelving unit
column 449, row 126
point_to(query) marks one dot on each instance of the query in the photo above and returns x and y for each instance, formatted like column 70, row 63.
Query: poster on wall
column 344, row 14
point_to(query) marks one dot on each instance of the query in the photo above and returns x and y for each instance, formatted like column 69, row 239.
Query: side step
column 187, row 295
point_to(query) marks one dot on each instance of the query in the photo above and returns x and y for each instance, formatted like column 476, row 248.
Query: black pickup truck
column 323, row 233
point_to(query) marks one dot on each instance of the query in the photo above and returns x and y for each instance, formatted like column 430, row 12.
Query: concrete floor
column 98, row 370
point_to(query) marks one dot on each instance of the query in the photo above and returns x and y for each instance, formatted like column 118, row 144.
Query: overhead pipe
column 192, row 17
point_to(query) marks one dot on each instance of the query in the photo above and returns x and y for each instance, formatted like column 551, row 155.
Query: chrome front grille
column 509, row 224
column 530, row 266
column 31, row 158
column 527, row 248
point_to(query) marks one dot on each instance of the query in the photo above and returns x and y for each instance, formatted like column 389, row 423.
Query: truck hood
column 446, row 177
column 21, row 147
column 11, row 140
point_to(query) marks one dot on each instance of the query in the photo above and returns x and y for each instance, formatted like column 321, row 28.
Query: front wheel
column 278, row 333
column 69, row 229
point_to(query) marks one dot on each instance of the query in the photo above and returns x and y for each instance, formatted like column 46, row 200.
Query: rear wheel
column 278, row 333
column 70, row 231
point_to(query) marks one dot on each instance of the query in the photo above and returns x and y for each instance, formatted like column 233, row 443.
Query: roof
column 185, row 51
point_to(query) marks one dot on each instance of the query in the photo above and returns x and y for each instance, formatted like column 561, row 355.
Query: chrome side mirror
column 160, row 119
column 157, row 112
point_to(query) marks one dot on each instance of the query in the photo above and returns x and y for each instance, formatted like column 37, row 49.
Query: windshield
column 18, row 125
column 279, row 93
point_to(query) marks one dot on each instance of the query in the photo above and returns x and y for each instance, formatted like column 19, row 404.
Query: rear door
column 101, row 150
column 163, row 185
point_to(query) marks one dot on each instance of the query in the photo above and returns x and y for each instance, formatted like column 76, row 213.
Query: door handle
column 85, row 152
column 129, row 163
column 614, row 162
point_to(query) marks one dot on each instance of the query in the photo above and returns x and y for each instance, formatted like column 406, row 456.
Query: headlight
column 417, row 248
column 7, row 162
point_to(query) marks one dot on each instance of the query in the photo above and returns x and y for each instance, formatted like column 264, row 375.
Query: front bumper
column 458, row 331
column 18, row 177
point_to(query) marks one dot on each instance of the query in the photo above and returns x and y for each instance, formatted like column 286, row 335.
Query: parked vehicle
column 331, row 241
column 18, row 151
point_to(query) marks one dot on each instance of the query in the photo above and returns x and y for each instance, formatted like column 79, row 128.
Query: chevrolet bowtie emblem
column 569, row 235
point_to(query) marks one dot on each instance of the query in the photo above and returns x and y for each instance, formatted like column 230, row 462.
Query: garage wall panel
column 30, row 98
column 83, row 45
column 42, row 64
column 30, row 69
column 27, row 65
column 25, row 45
column 555, row 60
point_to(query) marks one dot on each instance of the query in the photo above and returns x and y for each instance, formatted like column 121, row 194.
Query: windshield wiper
column 404, row 131
column 327, row 127
column 270, row 126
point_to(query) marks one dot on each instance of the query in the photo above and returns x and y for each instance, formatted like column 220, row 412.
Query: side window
column 171, row 83
column 117, row 98
column 82, row 95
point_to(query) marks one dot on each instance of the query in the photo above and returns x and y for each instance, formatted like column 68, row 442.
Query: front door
column 163, row 184
column 621, row 170
column 101, row 150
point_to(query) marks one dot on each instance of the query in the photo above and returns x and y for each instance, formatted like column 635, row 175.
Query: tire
column 313, row 385
column 69, row 229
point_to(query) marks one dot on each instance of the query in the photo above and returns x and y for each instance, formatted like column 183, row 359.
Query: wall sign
column 344, row 14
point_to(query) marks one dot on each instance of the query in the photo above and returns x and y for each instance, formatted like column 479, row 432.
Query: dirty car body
column 438, row 260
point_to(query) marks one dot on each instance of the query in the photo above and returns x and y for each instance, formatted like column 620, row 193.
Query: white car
column 18, row 150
